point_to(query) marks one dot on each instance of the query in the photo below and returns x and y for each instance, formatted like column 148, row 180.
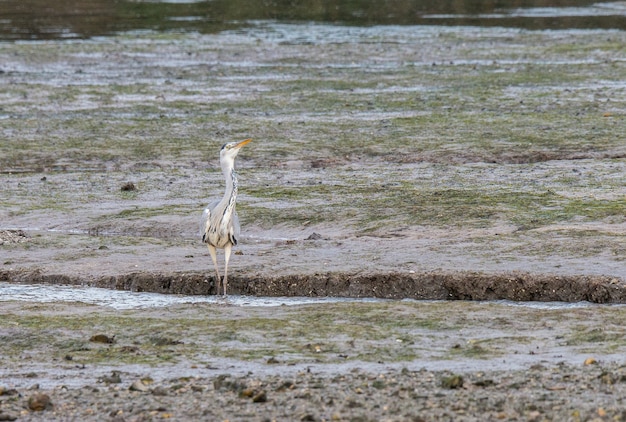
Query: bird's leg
column 227, row 250
column 218, row 280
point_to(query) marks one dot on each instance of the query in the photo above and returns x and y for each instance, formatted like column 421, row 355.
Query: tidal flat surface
column 386, row 360
column 403, row 148
column 490, row 157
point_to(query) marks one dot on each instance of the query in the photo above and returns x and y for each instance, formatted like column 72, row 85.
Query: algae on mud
column 429, row 335
column 408, row 149
column 457, row 163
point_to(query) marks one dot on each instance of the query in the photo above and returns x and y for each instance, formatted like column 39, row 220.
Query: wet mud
column 385, row 360
column 455, row 164
column 523, row 287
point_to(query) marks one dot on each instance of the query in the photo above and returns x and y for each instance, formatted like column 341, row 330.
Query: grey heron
column 220, row 224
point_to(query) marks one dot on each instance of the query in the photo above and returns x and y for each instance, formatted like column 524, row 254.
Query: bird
column 220, row 223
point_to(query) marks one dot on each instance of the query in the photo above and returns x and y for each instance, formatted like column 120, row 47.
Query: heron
column 220, row 224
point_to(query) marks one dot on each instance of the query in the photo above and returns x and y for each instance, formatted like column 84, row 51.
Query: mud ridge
column 477, row 286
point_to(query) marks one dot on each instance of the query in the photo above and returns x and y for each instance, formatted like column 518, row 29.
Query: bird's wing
column 234, row 229
column 205, row 221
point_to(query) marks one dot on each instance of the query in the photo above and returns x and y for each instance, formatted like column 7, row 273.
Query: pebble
column 138, row 386
column 392, row 395
column 39, row 402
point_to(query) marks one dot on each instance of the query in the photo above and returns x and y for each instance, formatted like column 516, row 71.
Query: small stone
column 607, row 378
column 128, row 187
column 8, row 391
column 114, row 378
column 102, row 338
column 159, row 391
column 138, row 386
column 286, row 385
column 246, row 392
column 260, row 397
column 452, row 382
column 39, row 402
column 7, row 417
column 485, row 383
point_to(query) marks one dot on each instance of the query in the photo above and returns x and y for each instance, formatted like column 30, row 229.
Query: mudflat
column 390, row 162
column 389, row 360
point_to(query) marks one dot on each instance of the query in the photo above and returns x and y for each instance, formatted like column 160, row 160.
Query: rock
column 12, row 236
column 485, row 383
column 286, row 385
column 159, row 391
column 138, row 386
column 246, row 392
column 39, row 402
column 8, row 391
column 7, row 417
column 128, row 187
column 165, row 341
column 314, row 236
column 452, row 382
column 114, row 378
column 259, row 397
column 102, row 338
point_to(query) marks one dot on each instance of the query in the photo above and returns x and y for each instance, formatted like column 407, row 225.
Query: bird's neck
column 230, row 194
column 231, row 183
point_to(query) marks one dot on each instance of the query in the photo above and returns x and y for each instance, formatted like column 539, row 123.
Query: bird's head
column 231, row 149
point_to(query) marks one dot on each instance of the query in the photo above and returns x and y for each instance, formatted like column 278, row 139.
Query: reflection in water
column 54, row 19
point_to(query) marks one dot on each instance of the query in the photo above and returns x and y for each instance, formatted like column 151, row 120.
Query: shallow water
column 122, row 299
column 87, row 19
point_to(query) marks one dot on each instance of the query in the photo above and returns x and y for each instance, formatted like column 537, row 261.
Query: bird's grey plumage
column 220, row 224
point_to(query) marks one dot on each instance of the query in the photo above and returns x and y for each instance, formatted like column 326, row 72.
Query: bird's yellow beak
column 243, row 143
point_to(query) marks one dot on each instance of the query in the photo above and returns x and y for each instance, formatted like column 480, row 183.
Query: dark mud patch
column 419, row 286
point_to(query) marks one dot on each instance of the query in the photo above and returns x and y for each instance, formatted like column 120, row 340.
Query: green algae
column 340, row 332
column 472, row 130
